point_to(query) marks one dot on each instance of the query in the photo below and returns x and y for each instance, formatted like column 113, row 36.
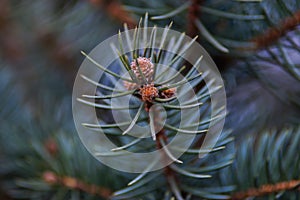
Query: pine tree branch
column 168, row 171
column 267, row 189
column 75, row 184
column 150, row 94
column 272, row 34
column 116, row 11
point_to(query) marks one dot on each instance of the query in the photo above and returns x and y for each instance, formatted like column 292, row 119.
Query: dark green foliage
column 271, row 158
column 187, row 168
column 193, row 176
column 26, row 155
column 233, row 24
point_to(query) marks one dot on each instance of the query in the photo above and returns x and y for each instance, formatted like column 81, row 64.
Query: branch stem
column 75, row 184
column 267, row 189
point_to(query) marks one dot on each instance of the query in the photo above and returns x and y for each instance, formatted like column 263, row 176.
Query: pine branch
column 266, row 166
column 33, row 145
column 149, row 90
column 75, row 184
column 169, row 173
column 231, row 24
column 273, row 34
column 267, row 189
column 59, row 159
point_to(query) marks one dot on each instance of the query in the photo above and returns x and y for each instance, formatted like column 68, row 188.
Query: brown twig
column 169, row 173
column 75, row 184
column 193, row 14
column 116, row 11
column 266, row 189
column 274, row 33
column 161, row 135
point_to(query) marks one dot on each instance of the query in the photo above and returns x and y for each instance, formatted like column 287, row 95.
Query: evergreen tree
column 255, row 45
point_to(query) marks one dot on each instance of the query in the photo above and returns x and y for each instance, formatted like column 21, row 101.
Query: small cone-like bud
column 146, row 66
column 148, row 92
column 168, row 93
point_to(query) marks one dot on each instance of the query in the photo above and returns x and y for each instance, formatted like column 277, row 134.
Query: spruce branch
column 273, row 34
column 75, row 184
column 218, row 19
column 266, row 166
column 267, row 189
column 152, row 86
column 37, row 152
column 40, row 156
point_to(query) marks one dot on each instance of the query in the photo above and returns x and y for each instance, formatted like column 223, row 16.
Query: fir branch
column 150, row 94
column 272, row 34
column 265, row 166
column 168, row 171
column 161, row 144
column 267, row 189
column 75, row 184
